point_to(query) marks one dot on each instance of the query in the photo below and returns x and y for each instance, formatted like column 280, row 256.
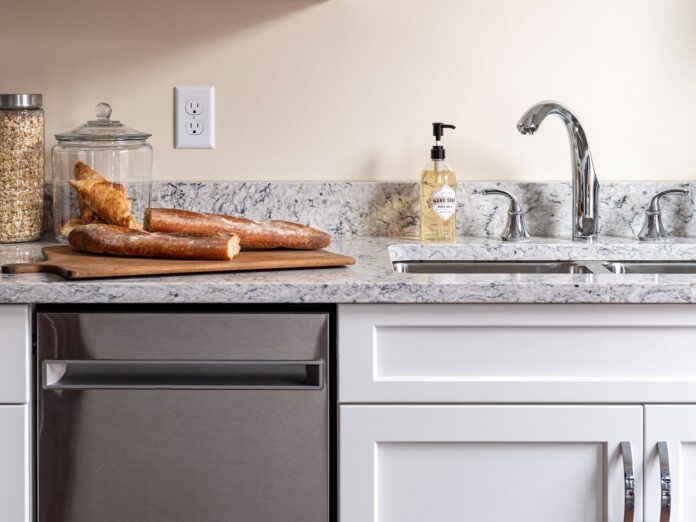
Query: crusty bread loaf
column 107, row 200
column 252, row 234
column 100, row 238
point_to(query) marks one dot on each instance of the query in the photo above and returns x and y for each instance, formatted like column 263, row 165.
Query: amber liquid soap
column 438, row 206
column 438, row 196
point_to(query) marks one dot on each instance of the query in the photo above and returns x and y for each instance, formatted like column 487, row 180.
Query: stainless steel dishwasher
column 183, row 416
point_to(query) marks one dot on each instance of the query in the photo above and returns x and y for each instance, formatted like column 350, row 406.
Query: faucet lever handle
column 654, row 205
column 515, row 228
column 653, row 229
column 515, row 205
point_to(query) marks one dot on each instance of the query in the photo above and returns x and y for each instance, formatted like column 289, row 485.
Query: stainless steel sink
column 651, row 267
column 546, row 267
column 491, row 267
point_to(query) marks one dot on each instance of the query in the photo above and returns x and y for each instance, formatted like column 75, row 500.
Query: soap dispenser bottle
column 438, row 198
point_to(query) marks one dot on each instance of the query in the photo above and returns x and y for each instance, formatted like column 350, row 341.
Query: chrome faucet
column 585, row 184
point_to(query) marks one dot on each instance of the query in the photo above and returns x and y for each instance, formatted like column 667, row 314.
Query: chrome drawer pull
column 665, row 482
column 629, row 482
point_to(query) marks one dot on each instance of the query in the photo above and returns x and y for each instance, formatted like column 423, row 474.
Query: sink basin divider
column 595, row 267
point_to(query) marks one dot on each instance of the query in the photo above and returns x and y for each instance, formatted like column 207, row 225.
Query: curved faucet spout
column 585, row 184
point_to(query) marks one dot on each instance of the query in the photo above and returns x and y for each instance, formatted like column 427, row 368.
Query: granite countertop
column 373, row 280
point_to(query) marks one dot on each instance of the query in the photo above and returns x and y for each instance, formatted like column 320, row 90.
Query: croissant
column 83, row 171
column 107, row 200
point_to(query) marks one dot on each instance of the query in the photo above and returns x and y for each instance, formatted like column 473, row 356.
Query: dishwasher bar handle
column 101, row 374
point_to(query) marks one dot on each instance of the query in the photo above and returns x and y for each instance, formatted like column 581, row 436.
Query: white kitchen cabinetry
column 674, row 428
column 488, row 463
column 15, row 414
column 517, row 353
column 514, row 413
column 15, row 459
column 15, row 354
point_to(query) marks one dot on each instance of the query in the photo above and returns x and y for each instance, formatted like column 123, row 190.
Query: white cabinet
column 673, row 428
column 515, row 413
column 16, row 447
column 517, row 353
column 15, row 463
column 488, row 463
column 15, row 354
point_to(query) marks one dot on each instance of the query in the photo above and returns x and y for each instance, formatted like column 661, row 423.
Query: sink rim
column 495, row 267
column 547, row 267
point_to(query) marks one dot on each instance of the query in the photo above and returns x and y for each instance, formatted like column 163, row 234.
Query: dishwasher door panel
column 190, row 335
column 149, row 453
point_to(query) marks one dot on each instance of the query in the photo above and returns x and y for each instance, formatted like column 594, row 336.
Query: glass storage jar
column 21, row 167
column 119, row 153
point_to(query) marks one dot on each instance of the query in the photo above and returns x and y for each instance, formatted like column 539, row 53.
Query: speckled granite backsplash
column 391, row 209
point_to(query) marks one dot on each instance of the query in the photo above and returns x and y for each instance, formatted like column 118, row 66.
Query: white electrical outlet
column 193, row 107
column 194, row 126
column 194, row 117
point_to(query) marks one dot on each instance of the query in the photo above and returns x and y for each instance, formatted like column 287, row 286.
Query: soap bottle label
column 444, row 202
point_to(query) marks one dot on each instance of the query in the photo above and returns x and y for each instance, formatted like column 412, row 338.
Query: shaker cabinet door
column 15, row 354
column 15, row 464
column 670, row 463
column 450, row 463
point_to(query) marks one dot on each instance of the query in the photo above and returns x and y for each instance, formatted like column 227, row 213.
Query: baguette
column 99, row 238
column 107, row 200
column 252, row 234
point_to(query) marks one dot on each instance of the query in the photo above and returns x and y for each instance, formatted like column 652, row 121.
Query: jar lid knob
column 103, row 111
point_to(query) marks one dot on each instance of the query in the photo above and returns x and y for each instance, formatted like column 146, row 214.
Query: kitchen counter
column 373, row 280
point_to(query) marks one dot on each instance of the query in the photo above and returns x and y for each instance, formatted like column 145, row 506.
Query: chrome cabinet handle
column 665, row 482
column 629, row 482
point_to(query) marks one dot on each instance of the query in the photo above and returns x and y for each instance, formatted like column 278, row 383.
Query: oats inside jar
column 21, row 174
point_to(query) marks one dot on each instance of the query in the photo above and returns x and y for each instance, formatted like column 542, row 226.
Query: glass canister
column 115, row 151
column 21, row 167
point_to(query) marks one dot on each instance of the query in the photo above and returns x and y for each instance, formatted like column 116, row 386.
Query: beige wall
column 347, row 89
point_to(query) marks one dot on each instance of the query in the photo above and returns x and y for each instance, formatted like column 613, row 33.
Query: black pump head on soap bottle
column 438, row 151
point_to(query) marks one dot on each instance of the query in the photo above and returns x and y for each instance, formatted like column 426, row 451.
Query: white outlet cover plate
column 202, row 98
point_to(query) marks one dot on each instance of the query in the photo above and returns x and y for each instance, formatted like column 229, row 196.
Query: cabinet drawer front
column 487, row 463
column 517, row 353
column 15, row 464
column 15, row 354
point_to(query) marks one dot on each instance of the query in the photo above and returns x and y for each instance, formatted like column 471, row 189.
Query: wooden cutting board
column 74, row 264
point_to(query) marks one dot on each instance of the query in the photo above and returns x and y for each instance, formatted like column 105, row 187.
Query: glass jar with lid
column 21, row 167
column 115, row 151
